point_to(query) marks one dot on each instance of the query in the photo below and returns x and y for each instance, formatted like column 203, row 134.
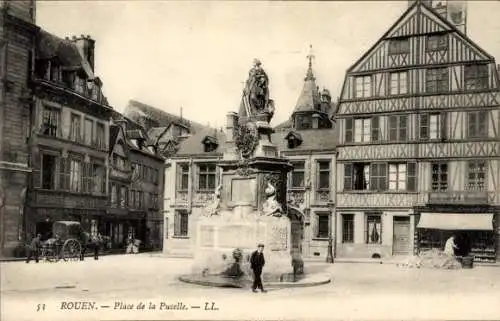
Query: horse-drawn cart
column 67, row 242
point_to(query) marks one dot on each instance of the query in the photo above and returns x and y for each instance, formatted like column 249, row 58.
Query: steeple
column 310, row 57
column 309, row 99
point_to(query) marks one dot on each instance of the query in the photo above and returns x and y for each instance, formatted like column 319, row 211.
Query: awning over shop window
column 457, row 221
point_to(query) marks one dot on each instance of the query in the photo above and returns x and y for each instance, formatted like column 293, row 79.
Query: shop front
column 474, row 232
column 119, row 228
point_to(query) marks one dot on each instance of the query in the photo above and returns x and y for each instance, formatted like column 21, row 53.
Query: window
column 51, row 120
column 476, row 177
column 378, row 176
column 54, row 72
column 411, row 181
column 399, row 83
column 75, row 131
column 119, row 162
column 207, row 177
column 3, row 60
column 398, row 127
column 363, row 87
column 397, row 177
column 376, row 133
column 183, row 177
column 79, row 84
column 98, row 178
column 430, row 126
column 88, row 131
column 181, row 223
column 477, row 124
column 123, row 196
column 399, row 46
column 437, row 42
column 114, row 195
column 362, row 130
column 439, row 179
column 137, row 199
column 323, row 175
column 140, row 199
column 93, row 227
column 49, row 171
column 323, row 227
column 131, row 198
column 437, row 80
column 347, row 228
column 75, row 175
column 373, row 229
column 99, row 135
column 349, row 130
column 476, row 77
column 298, row 175
column 356, row 176
column 304, row 122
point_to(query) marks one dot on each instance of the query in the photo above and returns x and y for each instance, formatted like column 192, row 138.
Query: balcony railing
column 460, row 197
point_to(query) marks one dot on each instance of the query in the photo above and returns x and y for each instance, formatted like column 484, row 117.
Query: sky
column 197, row 54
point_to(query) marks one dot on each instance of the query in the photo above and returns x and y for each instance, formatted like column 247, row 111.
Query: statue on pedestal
column 212, row 207
column 271, row 207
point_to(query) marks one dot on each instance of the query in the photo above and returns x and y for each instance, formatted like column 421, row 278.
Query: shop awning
column 457, row 221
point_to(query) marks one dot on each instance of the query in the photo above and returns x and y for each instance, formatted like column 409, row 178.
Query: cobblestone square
column 357, row 291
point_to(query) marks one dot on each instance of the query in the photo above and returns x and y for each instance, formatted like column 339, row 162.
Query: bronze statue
column 256, row 105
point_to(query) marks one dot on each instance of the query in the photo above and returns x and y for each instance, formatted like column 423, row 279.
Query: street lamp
column 329, row 255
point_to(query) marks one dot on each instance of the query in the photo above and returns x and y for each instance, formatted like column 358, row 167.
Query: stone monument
column 249, row 207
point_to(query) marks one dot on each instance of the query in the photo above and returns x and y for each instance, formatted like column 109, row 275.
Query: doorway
column 401, row 235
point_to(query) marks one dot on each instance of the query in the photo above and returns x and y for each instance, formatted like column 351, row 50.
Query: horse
column 94, row 243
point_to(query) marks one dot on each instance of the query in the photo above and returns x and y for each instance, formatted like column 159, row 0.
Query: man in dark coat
column 34, row 249
column 257, row 262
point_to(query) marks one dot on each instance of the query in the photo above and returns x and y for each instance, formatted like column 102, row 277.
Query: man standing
column 34, row 249
column 257, row 262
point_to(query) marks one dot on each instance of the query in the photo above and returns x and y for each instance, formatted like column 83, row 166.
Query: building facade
column 308, row 139
column 17, row 45
column 70, row 136
column 418, row 153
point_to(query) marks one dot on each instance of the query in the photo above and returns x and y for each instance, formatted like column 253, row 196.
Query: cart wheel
column 71, row 250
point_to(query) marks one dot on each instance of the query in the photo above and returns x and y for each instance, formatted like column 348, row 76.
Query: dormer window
column 210, row 144
column 303, row 122
column 294, row 139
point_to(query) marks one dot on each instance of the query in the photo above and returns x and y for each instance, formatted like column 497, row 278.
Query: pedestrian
column 257, row 262
column 34, row 249
column 96, row 241
column 450, row 246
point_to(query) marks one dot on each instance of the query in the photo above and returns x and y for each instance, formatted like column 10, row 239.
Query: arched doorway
column 297, row 226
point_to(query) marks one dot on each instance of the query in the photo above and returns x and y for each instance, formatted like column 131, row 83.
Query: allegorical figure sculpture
column 256, row 105
column 271, row 207
column 212, row 206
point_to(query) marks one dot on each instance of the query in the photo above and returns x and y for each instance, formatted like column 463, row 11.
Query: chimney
column 86, row 47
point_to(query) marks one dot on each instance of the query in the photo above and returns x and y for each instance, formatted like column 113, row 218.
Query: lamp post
column 329, row 255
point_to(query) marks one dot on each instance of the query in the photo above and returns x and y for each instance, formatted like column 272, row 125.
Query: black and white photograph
column 249, row 160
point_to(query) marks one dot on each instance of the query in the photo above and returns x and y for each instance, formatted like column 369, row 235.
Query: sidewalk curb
column 88, row 254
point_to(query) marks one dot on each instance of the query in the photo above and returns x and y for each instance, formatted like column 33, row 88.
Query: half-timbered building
column 419, row 141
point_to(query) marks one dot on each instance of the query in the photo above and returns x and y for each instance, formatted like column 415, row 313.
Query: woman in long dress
column 450, row 246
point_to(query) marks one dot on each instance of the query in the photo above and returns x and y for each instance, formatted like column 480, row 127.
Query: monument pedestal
column 240, row 230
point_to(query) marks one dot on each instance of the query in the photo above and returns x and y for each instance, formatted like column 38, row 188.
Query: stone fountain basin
column 307, row 280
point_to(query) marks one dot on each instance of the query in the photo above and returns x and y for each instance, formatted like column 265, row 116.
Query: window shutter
column 177, row 223
column 375, row 128
column 37, row 172
column 374, row 174
column 178, row 177
column 383, row 176
column 412, row 177
column 347, row 177
column 349, row 132
column 444, row 127
column 64, row 173
column 196, row 176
